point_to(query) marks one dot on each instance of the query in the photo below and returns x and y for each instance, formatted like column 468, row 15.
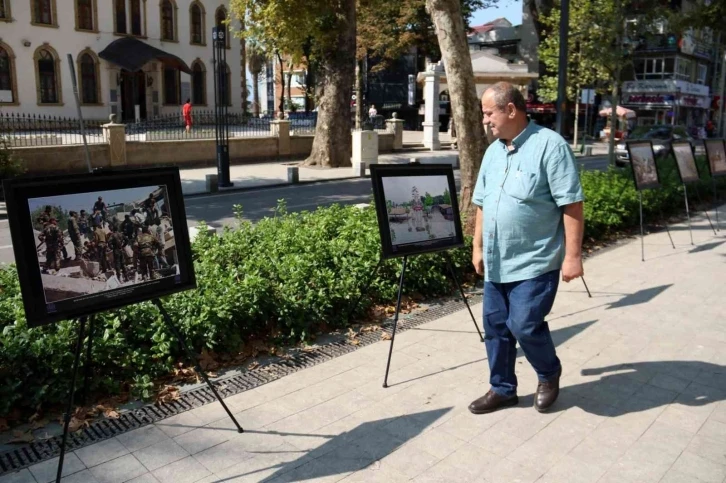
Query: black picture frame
column 19, row 191
column 642, row 157
column 449, row 211
column 685, row 157
column 716, row 156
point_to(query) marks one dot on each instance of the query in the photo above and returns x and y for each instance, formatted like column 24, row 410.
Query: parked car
column 661, row 136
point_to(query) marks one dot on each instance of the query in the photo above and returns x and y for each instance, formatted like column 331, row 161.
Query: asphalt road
column 216, row 210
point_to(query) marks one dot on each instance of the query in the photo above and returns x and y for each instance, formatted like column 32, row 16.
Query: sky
column 509, row 9
column 85, row 201
column 398, row 188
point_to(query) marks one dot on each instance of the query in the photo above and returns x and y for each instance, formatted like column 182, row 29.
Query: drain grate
column 38, row 451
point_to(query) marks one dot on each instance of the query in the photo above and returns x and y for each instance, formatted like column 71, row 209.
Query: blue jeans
column 514, row 312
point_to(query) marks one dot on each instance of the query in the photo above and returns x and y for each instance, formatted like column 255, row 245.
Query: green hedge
column 283, row 279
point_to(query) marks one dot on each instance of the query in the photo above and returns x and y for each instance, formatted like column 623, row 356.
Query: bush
column 283, row 280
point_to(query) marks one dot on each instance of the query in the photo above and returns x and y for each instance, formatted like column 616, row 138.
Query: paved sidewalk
column 643, row 398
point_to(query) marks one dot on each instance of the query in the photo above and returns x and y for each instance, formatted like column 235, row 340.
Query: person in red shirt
column 187, row 113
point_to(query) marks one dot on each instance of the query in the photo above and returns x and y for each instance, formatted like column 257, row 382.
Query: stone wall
column 182, row 153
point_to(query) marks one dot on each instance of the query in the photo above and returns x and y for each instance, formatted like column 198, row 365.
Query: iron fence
column 172, row 127
column 303, row 122
column 21, row 130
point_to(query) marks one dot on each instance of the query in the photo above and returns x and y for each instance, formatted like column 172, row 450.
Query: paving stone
column 145, row 478
column 710, row 449
column 223, row 455
column 142, row 438
column 683, row 417
column 160, row 454
column 507, row 471
column 101, row 452
column 84, row 476
column 376, row 473
column 438, row 443
column 187, row 470
column 470, row 461
column 671, row 383
column 713, row 429
column 703, row 469
column 179, row 424
column 119, row 470
column 200, row 439
column 410, row 461
column 572, row 470
column 22, row 476
column 264, row 465
column 46, row 471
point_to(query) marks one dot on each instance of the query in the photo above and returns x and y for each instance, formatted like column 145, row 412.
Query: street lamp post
column 221, row 117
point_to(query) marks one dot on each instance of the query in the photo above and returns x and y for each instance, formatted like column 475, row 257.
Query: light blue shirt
column 521, row 193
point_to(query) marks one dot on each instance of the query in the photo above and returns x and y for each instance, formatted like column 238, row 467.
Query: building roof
column 489, row 26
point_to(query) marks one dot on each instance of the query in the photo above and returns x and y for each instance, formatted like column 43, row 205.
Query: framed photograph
column 686, row 161
column 94, row 242
column 642, row 160
column 417, row 208
column 716, row 153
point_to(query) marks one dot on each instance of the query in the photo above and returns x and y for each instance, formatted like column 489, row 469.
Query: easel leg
column 450, row 263
column 688, row 213
column 642, row 235
column 715, row 203
column 87, row 366
column 395, row 320
column 69, row 408
column 191, row 357
column 667, row 230
column 700, row 202
column 587, row 289
column 367, row 286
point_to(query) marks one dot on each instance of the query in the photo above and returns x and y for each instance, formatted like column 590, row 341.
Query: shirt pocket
column 521, row 185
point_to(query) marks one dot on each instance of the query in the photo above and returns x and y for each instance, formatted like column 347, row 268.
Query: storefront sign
column 655, row 99
column 666, row 86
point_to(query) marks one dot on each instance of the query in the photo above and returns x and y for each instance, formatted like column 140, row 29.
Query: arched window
column 46, row 64
column 199, row 84
column 220, row 17
column 136, row 28
column 119, row 12
column 44, row 12
column 5, row 11
column 196, row 14
column 8, row 84
column 167, row 20
column 85, row 15
column 88, row 67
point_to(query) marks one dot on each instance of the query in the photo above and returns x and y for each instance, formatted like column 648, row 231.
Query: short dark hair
column 189, row 101
column 505, row 93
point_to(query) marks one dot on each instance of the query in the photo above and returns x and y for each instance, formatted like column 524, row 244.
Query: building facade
column 36, row 37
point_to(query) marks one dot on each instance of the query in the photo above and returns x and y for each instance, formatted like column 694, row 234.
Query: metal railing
column 303, row 122
column 24, row 130
column 172, row 127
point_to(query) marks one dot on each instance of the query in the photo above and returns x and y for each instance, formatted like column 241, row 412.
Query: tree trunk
column 465, row 106
column 281, row 106
column 309, row 89
column 256, row 94
column 289, row 89
column 332, row 143
column 243, row 62
column 358, row 93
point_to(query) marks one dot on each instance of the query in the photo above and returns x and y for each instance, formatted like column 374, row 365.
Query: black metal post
column 367, row 286
column 450, row 264
column 562, row 67
column 395, row 320
column 69, row 407
column 586, row 288
column 667, row 230
column 221, row 124
column 193, row 359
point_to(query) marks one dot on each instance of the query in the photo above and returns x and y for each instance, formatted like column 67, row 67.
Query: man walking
column 53, row 239
column 187, row 115
column 529, row 226
column 74, row 231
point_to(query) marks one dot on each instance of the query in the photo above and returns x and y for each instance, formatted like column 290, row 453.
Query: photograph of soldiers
column 716, row 156
column 643, row 159
column 129, row 239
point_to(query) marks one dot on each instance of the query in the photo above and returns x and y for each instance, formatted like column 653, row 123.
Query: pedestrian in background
column 529, row 226
column 187, row 114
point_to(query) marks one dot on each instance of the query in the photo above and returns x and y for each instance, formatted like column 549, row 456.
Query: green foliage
column 10, row 164
column 612, row 203
column 284, row 279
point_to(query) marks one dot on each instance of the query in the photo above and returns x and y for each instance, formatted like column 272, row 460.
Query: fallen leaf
column 4, row 424
column 21, row 437
column 38, row 424
column 254, row 365
column 354, row 341
column 168, row 394
column 386, row 336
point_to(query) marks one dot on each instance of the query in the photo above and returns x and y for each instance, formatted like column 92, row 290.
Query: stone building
column 168, row 43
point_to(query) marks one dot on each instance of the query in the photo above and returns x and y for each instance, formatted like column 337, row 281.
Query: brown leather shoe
column 547, row 393
column 492, row 401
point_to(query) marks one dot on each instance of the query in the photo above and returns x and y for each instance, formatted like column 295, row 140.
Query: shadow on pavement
column 622, row 389
column 350, row 451
column 706, row 247
column 640, row 297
